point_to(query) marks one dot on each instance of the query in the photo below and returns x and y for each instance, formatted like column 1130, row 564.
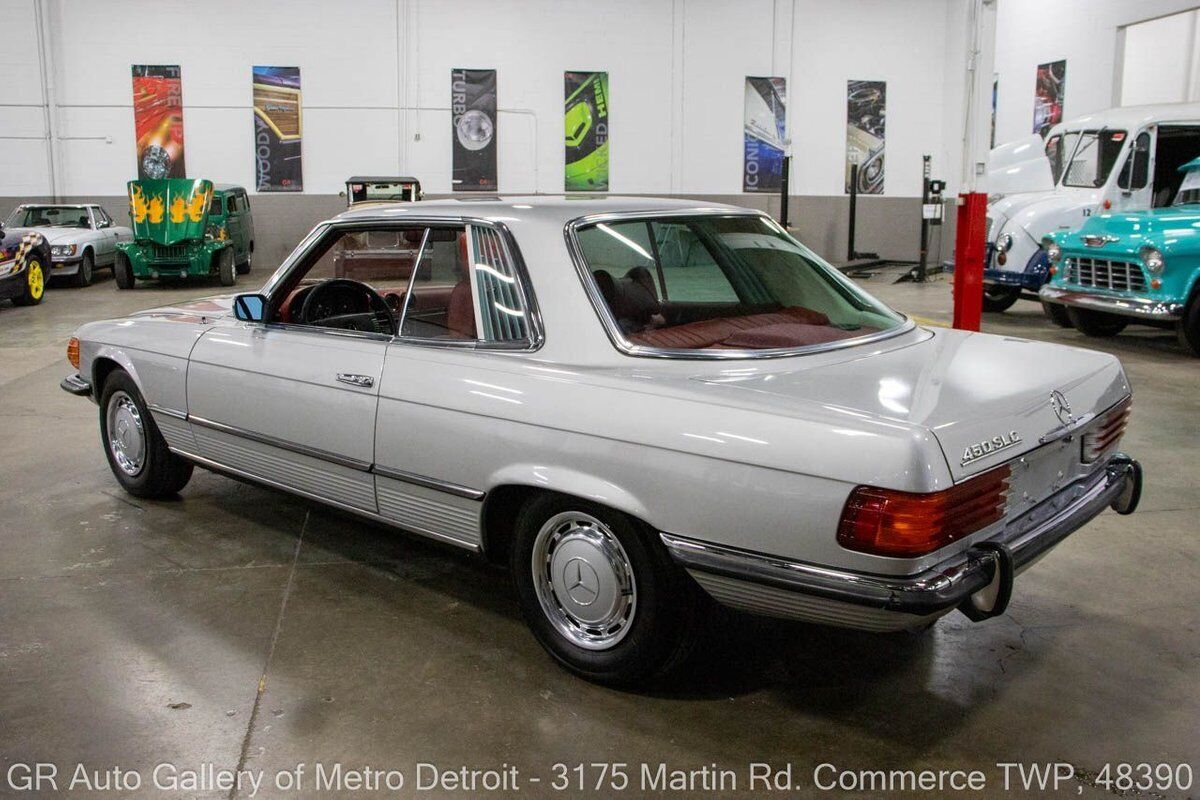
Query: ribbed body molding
column 321, row 478
column 772, row 602
column 428, row 511
column 176, row 431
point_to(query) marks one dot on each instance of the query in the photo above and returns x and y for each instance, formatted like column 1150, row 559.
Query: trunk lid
column 985, row 398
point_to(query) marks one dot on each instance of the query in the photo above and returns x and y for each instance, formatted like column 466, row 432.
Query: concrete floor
column 237, row 626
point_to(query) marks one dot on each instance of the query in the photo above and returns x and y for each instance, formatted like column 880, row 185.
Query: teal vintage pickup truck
column 1132, row 267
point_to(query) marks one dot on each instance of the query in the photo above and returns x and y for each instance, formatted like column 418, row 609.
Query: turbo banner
column 473, row 117
column 158, row 121
column 586, row 131
column 277, row 164
column 1049, row 96
column 866, row 118
column 765, row 134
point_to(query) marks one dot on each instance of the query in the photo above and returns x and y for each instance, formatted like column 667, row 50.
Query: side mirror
column 250, row 307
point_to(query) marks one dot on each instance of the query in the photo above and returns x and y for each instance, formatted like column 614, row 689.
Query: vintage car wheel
column 86, row 270
column 1188, row 328
column 1000, row 298
column 1056, row 313
column 244, row 267
column 599, row 593
column 35, row 283
column 136, row 451
column 226, row 270
column 1096, row 323
column 123, row 272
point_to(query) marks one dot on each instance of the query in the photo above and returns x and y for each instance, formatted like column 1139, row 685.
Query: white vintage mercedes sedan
column 635, row 404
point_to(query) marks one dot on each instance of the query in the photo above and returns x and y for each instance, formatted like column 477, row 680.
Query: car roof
column 59, row 205
column 381, row 179
column 227, row 187
column 543, row 208
column 1130, row 117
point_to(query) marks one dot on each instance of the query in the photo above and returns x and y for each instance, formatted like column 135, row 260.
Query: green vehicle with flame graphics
column 185, row 228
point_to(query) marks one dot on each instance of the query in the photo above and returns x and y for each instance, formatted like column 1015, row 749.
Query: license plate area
column 1041, row 473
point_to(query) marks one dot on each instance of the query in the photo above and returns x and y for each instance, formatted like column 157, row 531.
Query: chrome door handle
column 363, row 381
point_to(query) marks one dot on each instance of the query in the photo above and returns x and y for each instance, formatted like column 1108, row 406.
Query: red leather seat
column 460, row 310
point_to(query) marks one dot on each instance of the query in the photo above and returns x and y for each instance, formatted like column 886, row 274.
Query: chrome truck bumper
column 778, row 587
column 1136, row 307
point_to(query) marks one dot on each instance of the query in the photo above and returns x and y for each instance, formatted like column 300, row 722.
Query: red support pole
column 970, row 245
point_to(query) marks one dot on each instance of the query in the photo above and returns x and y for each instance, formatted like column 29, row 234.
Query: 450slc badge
column 974, row 452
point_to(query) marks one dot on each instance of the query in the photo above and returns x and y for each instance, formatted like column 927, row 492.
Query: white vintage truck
column 1113, row 160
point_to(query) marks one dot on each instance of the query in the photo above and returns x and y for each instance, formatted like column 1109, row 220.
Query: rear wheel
column 225, row 268
column 123, row 272
column 1096, row 323
column 1056, row 313
column 1000, row 298
column 244, row 267
column 35, row 283
column 136, row 450
column 600, row 592
column 1189, row 327
column 86, row 269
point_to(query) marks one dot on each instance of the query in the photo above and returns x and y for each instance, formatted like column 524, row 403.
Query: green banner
column 169, row 210
column 586, row 131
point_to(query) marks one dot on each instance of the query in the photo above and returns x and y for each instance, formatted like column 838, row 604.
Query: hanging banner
column 473, row 117
column 1049, row 96
column 585, row 118
column 765, row 137
column 866, row 118
column 158, row 121
column 277, row 165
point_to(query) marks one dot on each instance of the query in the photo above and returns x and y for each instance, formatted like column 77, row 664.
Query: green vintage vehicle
column 1131, row 267
column 186, row 228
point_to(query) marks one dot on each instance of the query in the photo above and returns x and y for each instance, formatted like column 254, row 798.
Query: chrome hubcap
column 584, row 580
column 126, row 434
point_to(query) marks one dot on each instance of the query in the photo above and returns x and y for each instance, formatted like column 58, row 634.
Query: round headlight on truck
column 1053, row 251
column 1004, row 243
column 1152, row 260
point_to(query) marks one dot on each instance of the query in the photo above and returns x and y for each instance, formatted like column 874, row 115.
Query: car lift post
column 924, row 254
column 783, row 192
column 850, row 254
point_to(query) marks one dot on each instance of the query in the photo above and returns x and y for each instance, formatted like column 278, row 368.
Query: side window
column 231, row 204
column 214, row 206
column 1054, row 152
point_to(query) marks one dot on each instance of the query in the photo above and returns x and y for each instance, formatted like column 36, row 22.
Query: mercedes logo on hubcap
column 581, row 582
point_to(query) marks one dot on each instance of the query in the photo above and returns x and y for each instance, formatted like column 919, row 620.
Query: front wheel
column 86, row 269
column 123, row 272
column 1056, row 313
column 136, row 450
column 244, row 267
column 226, row 271
column 600, row 592
column 1000, row 298
column 1096, row 323
column 35, row 283
column 1188, row 328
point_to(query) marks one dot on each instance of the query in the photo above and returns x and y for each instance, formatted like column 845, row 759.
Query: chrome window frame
column 623, row 345
column 532, row 343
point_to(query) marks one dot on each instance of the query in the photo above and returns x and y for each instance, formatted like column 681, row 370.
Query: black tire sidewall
column 226, row 270
column 1001, row 302
column 1095, row 323
column 664, row 600
column 1189, row 325
column 1057, row 313
column 146, row 483
column 123, row 272
column 87, row 269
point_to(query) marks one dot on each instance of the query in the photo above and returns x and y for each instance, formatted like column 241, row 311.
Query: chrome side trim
column 629, row 348
column 941, row 587
column 1139, row 307
column 261, row 438
column 217, row 466
column 166, row 412
column 428, row 483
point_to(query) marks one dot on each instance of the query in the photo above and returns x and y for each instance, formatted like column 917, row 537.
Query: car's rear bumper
column 780, row 587
column 1137, row 307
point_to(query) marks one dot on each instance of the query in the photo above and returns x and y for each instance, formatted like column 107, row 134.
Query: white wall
column 1160, row 61
column 1087, row 33
column 676, row 76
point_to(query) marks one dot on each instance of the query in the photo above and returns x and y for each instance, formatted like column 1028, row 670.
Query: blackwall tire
column 123, row 272
column 1188, row 328
column 1000, row 298
column 1056, row 313
column 600, row 592
column 137, row 452
column 244, row 267
column 87, row 269
column 1096, row 323
column 34, row 288
column 226, row 271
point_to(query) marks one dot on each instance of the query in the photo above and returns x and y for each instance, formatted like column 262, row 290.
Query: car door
column 290, row 403
column 467, row 314
column 1134, row 184
column 106, row 236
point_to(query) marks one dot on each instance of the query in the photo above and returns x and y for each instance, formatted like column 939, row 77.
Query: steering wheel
column 323, row 306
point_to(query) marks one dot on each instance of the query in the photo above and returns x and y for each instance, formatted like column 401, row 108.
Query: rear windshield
column 722, row 283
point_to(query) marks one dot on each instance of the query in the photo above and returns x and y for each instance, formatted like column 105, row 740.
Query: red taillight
column 1105, row 432
column 890, row 523
column 73, row 352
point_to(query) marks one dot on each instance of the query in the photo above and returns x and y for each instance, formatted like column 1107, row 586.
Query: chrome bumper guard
column 950, row 584
column 1138, row 307
column 76, row 385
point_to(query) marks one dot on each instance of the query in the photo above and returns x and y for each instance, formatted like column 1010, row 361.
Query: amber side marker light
column 73, row 352
column 905, row 524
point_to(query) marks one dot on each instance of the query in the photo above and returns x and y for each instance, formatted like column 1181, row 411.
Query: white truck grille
column 1122, row 276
